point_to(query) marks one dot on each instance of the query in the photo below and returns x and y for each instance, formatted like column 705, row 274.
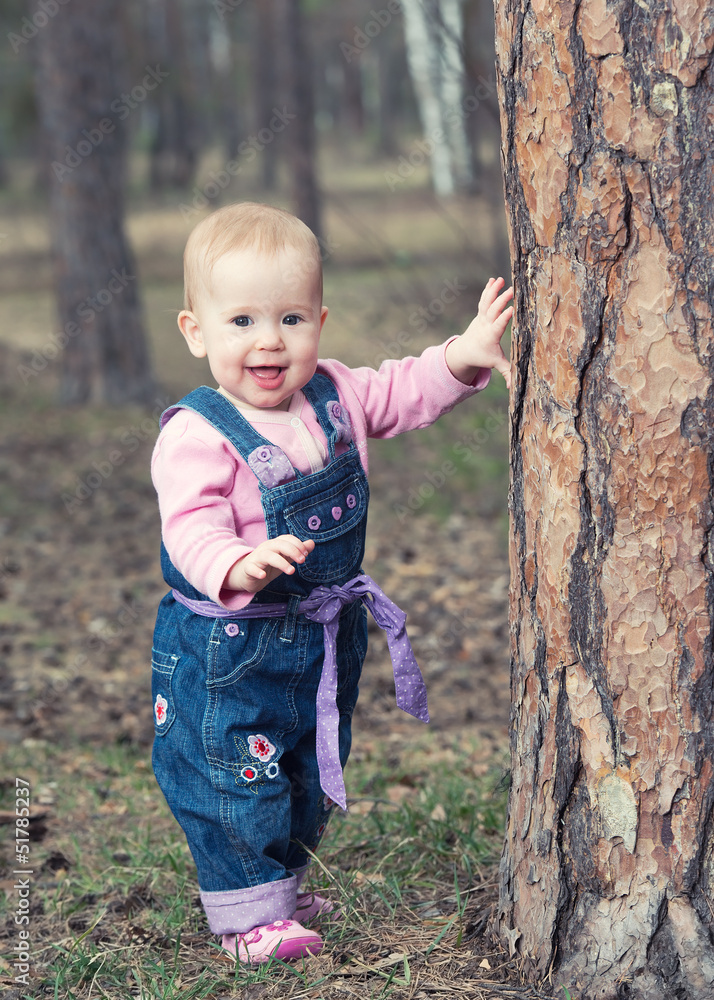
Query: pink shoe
column 310, row 906
column 283, row 939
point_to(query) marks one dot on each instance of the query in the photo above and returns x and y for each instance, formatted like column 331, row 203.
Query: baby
column 263, row 492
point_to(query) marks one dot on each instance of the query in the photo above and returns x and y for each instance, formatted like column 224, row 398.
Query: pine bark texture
column 607, row 113
column 104, row 354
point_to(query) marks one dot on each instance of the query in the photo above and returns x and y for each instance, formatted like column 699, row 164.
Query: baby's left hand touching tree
column 480, row 344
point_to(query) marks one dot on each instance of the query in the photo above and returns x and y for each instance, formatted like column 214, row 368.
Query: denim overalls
column 235, row 699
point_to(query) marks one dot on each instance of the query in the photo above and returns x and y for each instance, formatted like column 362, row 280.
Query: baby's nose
column 269, row 336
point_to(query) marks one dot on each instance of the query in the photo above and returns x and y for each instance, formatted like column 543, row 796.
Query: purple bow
column 323, row 606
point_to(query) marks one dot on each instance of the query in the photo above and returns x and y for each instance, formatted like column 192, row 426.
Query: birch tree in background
column 607, row 875
column 433, row 33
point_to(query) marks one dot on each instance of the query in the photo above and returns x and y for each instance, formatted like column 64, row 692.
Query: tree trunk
column 265, row 84
column 229, row 113
column 452, row 90
column 300, row 140
column 176, row 142
column 82, row 108
column 609, row 168
column 423, row 56
column 433, row 34
column 391, row 69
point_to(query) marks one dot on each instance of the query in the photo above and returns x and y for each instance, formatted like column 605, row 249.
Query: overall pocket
column 237, row 648
column 332, row 518
column 163, row 666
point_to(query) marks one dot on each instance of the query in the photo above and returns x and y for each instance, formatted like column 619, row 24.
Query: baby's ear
column 191, row 329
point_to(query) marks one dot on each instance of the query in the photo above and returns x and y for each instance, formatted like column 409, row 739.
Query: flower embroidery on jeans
column 318, row 835
column 254, row 765
column 160, row 706
column 260, row 747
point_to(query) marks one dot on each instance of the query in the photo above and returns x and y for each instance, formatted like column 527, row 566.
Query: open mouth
column 268, row 376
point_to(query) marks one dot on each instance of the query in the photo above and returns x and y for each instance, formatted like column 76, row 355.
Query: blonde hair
column 244, row 226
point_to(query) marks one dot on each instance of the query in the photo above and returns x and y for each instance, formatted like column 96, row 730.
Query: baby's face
column 259, row 324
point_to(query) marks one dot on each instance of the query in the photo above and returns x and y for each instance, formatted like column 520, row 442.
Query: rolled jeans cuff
column 240, row 910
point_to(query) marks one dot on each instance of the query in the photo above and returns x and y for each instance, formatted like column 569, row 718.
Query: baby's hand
column 266, row 561
column 480, row 345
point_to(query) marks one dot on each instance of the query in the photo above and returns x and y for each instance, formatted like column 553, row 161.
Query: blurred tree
column 352, row 98
column 482, row 121
column 392, row 69
column 300, row 141
column 608, row 142
column 222, row 56
column 433, row 31
column 177, row 134
column 82, row 110
column 266, row 87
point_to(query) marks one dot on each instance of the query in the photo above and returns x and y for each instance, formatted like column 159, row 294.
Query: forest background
column 211, row 114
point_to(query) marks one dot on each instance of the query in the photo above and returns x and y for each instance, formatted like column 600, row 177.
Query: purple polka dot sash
column 323, row 606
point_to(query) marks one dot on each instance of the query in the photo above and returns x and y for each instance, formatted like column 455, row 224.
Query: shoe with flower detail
column 310, row 906
column 283, row 939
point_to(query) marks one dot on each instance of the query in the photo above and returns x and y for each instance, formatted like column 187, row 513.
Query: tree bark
column 104, row 354
column 608, row 146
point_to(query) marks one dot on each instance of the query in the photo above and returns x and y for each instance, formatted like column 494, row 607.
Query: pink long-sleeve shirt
column 211, row 513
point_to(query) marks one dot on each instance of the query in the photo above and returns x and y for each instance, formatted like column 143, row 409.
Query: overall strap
column 320, row 392
column 222, row 415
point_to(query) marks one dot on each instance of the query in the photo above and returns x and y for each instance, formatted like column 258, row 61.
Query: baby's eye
column 292, row 320
column 242, row 321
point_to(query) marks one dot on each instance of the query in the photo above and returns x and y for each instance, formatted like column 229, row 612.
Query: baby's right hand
column 266, row 561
